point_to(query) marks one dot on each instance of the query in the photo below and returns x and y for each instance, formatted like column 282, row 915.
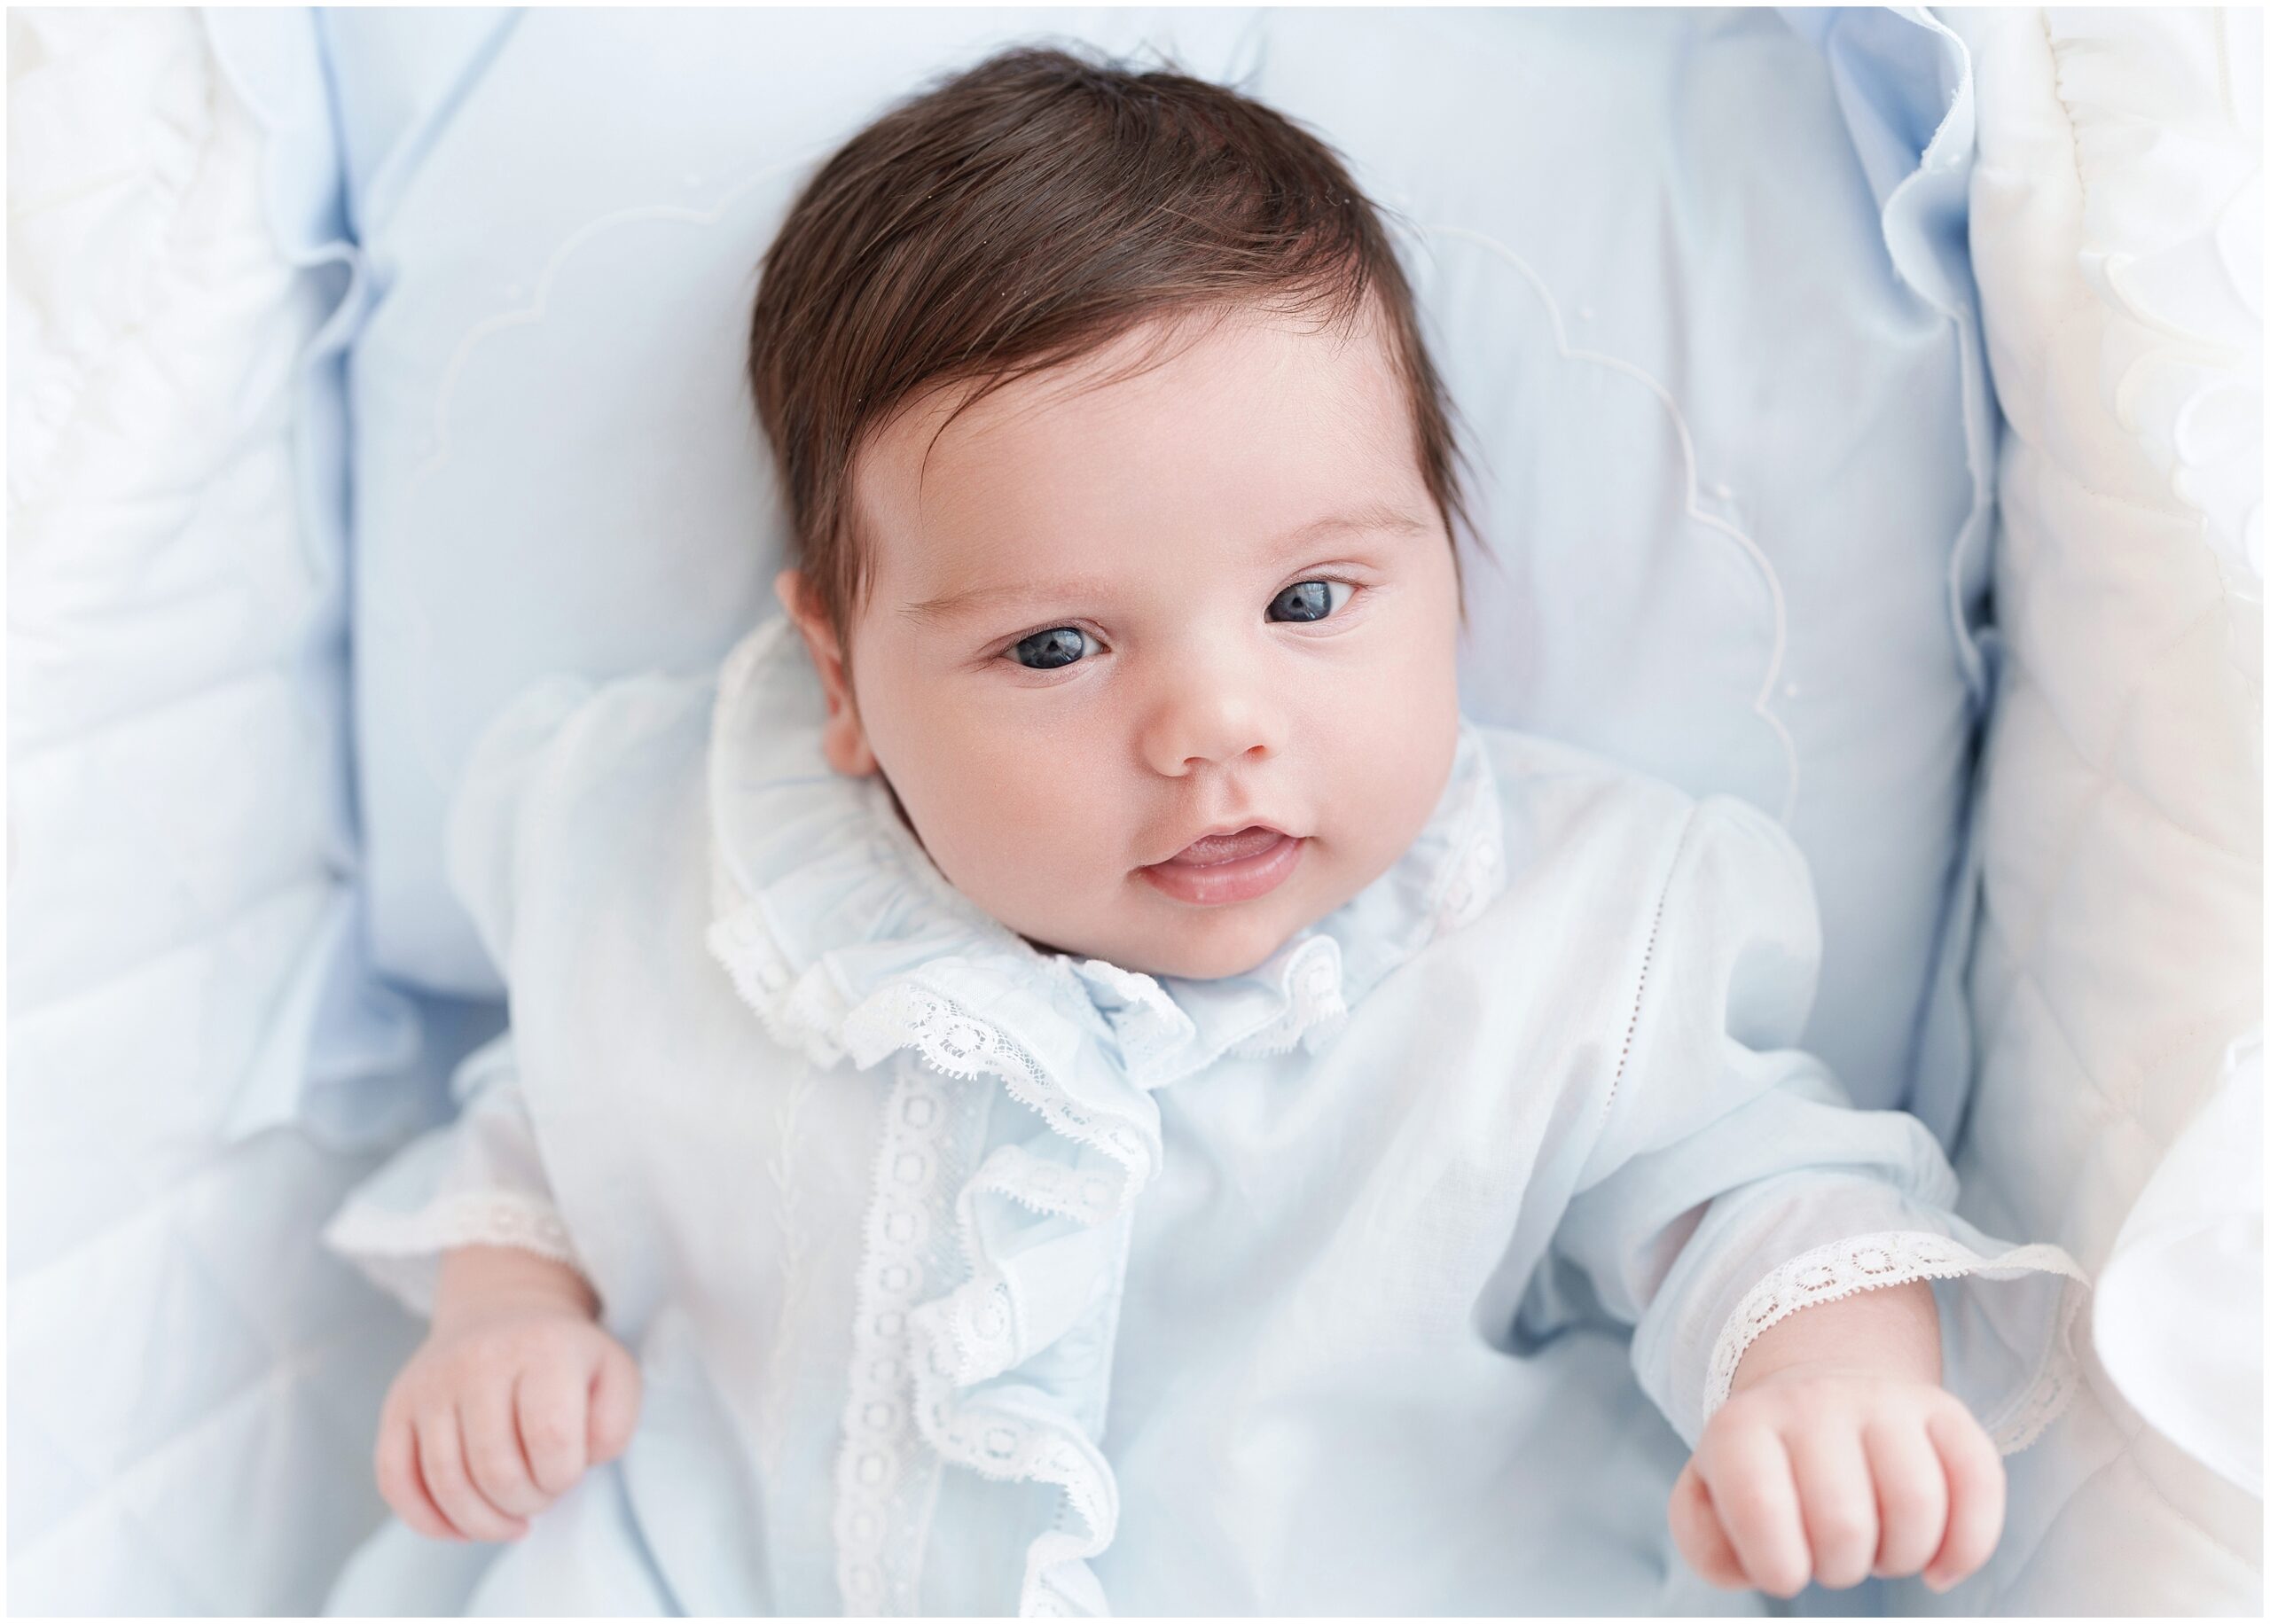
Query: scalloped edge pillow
column 1745, row 563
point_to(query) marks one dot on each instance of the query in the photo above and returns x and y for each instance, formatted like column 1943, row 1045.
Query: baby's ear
column 842, row 740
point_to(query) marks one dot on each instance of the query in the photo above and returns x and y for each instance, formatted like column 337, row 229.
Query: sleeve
column 1732, row 1182
column 475, row 1181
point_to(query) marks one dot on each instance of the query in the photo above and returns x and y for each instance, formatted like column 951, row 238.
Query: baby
column 1067, row 1077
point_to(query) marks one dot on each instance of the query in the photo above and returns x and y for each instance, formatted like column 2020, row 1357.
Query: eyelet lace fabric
column 989, row 1292
column 882, row 1480
column 1864, row 1262
column 403, row 1250
column 1312, row 980
column 1471, row 884
column 477, row 1218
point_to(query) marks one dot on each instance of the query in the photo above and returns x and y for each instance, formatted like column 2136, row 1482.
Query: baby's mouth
column 1246, row 842
column 1236, row 867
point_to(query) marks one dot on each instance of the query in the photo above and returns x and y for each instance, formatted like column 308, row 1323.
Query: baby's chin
column 1220, row 942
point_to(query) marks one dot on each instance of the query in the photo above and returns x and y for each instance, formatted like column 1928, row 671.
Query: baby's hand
column 511, row 1397
column 1786, row 1484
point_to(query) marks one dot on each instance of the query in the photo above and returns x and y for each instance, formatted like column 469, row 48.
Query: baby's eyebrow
column 954, row 605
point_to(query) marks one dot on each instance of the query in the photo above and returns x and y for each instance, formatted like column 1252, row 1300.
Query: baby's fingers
column 492, row 1448
column 399, row 1482
column 614, row 1402
column 441, row 1456
column 1694, row 1528
column 1748, row 1473
column 554, row 1417
column 1839, row 1499
column 1912, row 1488
column 1974, row 1491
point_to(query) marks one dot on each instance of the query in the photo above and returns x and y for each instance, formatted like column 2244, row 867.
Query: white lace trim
column 1469, row 889
column 476, row 1218
column 798, row 1016
column 896, row 1399
column 970, row 1332
column 1317, row 1008
column 979, row 1329
column 998, row 1443
column 401, row 1251
column 1864, row 1262
column 880, row 1480
column 951, row 1041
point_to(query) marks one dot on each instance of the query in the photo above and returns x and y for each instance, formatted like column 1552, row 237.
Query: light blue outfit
column 969, row 1278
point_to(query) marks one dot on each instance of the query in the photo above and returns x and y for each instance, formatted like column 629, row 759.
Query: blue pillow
column 1696, row 279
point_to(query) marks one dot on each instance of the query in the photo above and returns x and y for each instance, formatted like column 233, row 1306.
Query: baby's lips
column 1249, row 842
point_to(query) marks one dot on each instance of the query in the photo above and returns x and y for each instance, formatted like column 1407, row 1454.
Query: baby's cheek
column 1029, row 847
column 1388, row 777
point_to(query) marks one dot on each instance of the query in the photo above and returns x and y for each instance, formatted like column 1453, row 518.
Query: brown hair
column 1027, row 212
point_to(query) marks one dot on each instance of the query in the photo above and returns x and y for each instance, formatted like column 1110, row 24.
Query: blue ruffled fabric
column 846, row 940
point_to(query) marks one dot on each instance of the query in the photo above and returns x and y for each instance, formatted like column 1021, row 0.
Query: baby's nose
column 1209, row 721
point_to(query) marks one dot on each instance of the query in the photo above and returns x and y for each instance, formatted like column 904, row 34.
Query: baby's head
column 1122, row 490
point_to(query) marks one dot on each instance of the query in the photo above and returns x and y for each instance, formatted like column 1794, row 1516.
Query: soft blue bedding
column 1696, row 278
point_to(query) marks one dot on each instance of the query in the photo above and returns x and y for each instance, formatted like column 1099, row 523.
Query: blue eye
column 1309, row 600
column 1045, row 651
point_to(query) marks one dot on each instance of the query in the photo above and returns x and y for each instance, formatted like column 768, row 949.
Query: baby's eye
column 1309, row 600
column 1044, row 651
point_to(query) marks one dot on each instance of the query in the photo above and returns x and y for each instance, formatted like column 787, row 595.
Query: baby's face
column 1108, row 621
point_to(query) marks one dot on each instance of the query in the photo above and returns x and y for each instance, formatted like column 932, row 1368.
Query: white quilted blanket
column 190, row 1380
column 2116, row 983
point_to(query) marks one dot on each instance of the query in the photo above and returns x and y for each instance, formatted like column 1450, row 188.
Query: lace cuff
column 2039, row 1368
column 401, row 1251
column 476, row 1182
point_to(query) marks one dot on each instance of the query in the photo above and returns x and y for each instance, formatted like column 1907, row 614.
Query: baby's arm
column 1783, row 1257
column 515, row 1391
column 1837, row 1455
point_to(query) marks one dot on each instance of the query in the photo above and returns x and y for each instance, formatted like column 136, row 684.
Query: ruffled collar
column 824, row 899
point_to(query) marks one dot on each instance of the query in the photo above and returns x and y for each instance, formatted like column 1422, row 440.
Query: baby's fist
column 1831, row 1476
column 498, row 1413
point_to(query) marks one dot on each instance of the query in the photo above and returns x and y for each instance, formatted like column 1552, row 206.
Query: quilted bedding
column 192, row 1384
column 2116, row 984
